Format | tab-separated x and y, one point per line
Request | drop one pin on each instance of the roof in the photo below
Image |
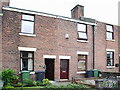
46	14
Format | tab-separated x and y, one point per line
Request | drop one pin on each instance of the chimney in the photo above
4	3
77	12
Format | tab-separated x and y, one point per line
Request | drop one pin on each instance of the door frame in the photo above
68	58
50	57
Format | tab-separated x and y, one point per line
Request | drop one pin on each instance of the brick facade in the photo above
50	40
101	44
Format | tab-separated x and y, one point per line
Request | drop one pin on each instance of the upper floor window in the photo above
82	32
27	24
110	32
27	59
110	58
82	59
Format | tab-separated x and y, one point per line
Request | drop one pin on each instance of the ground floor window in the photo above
27	59
110	58
82	59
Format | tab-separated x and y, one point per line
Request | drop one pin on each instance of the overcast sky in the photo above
101	10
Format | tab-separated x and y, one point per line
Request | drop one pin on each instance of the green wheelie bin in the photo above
25	75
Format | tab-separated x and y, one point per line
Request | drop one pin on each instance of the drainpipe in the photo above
93	31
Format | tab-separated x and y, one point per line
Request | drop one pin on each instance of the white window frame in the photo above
82	53
26	18
28	62
83	60
29	49
109	30
26	49
82	30
113	59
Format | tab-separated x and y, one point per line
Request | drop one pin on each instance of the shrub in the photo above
76	86
19	84
45	81
70	86
8	76
29	82
8	86
38	83
51	86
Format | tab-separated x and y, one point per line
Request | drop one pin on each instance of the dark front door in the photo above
49	72
64	68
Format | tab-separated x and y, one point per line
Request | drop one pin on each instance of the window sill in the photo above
81	72
30	72
113	40
110	67
82	41
1	14
26	34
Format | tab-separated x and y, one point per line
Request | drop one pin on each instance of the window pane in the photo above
30	64
30	55
81	65
82	62
27	27
110	58
82	27
111	55
26	60
81	57
111	62
82	35
108	55
108	62
24	64
109	36
109	28
24	54
28	17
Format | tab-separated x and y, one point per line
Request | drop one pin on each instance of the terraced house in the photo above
64	47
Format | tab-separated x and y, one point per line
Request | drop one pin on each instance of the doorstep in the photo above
58	83
64	80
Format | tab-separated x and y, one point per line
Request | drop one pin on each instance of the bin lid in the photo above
25	71
88	70
39	71
94	70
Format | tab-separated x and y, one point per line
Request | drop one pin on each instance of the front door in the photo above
64	68
49	72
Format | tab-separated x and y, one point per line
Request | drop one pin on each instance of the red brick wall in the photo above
50	40
101	44
10	40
